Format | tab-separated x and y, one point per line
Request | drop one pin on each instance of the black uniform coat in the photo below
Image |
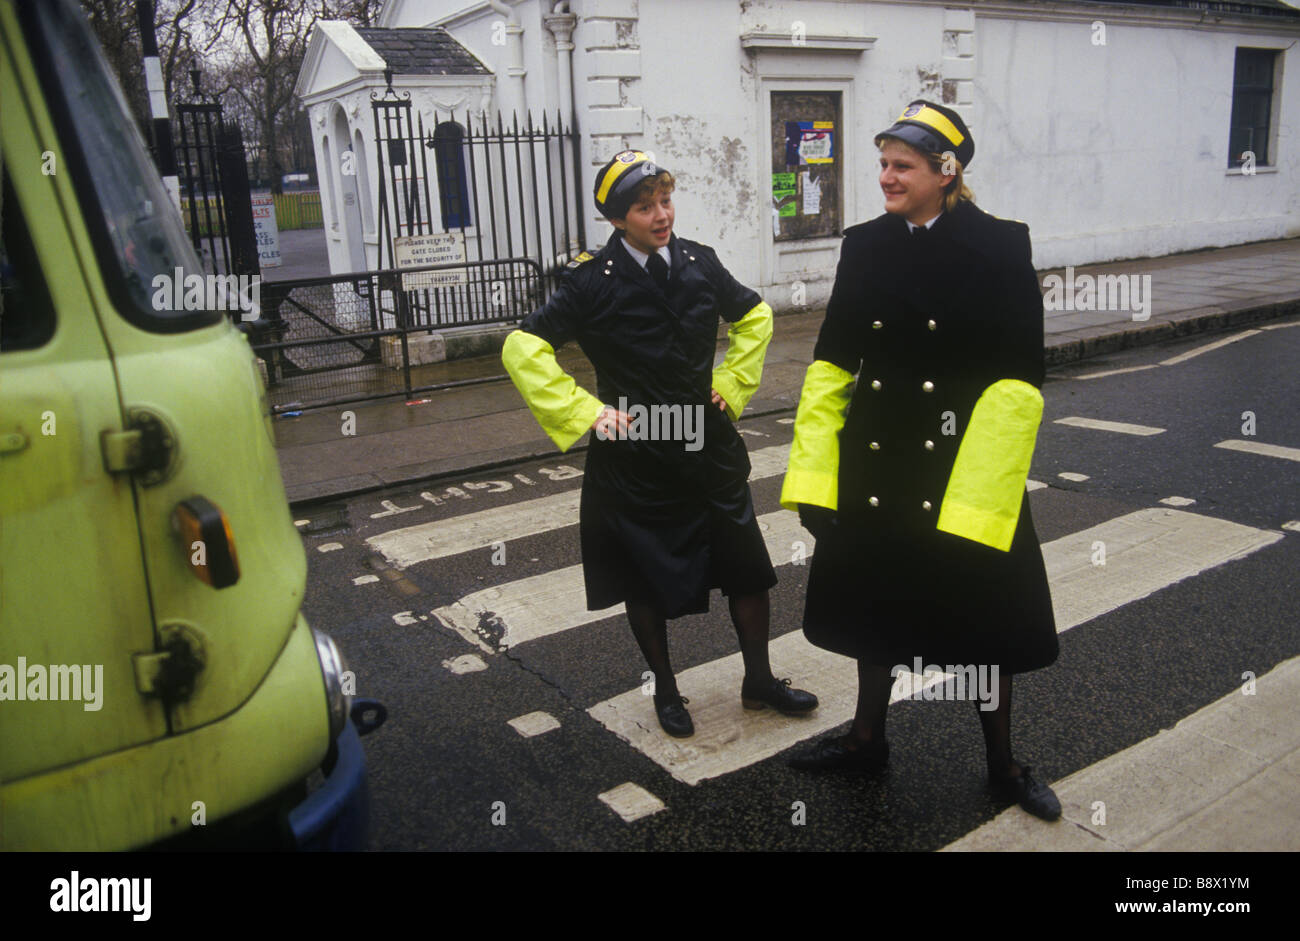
658	522
958	307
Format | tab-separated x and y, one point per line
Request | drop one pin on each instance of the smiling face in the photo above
913	188
649	221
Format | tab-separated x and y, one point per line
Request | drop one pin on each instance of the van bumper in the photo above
336	816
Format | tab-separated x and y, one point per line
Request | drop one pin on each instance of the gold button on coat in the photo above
875	384
929	445
925	504
928	386
873	501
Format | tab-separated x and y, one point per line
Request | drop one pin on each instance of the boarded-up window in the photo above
807	161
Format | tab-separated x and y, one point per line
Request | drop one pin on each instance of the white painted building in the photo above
1105	126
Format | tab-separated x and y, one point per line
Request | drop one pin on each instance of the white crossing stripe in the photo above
1070	475
534	723
1181	357
441	538
556	601
1146	551
1115	372
631	802
1121	427
1259	447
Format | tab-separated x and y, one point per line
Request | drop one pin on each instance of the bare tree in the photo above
272	35
114	24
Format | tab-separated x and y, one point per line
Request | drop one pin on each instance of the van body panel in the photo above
144	794
210	395
72	583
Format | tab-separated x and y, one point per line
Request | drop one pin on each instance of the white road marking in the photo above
1147	550
1292	525
441	538
405	618
1115	372
1280	326
329	546
534	723
1177	501
785	421
1032	485
465	663
1183	357
1119	426
1259	447
555	601
632	802
1070	475
301	522
365	579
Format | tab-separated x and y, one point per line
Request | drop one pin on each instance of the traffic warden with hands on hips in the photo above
663	520
912	482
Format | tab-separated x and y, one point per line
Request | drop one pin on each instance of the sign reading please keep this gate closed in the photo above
417	251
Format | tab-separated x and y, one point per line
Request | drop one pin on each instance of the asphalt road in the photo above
447	771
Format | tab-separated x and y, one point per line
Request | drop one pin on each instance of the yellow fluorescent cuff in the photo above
737	377
813	474
564	410
987	483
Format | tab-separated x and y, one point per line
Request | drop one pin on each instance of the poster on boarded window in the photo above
809	142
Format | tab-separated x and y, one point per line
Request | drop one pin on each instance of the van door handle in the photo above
12	441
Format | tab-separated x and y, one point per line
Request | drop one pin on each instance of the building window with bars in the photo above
1252	106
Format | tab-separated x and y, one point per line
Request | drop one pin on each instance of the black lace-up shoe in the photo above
1034	796
777	694
673	717
833	755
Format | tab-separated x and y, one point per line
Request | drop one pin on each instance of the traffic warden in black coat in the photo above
925	546
666	511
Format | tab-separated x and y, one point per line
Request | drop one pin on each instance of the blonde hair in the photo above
955	192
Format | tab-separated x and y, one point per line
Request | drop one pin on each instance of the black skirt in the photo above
667	531
883	595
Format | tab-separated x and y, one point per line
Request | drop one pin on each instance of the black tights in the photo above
874	686
749	614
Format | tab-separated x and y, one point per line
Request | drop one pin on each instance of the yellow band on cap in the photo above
937	121
612	176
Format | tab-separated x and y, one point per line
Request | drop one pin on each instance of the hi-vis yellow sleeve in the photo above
564	410
982	501
814	471
737	377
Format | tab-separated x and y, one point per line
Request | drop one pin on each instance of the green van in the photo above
158	683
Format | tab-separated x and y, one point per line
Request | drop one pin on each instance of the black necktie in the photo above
658	269
920	232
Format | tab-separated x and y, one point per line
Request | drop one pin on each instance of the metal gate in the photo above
215	197
497	191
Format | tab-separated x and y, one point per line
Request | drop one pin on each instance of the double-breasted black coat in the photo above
659	521
927	323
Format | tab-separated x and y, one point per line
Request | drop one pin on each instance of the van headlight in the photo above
338	681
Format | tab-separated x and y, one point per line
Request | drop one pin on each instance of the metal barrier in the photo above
349	338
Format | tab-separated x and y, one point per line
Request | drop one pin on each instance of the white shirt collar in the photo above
642	257
912	228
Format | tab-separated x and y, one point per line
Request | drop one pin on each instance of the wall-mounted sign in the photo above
267	232
416	251
809	142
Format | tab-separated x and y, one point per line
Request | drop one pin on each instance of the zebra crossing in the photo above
1093	571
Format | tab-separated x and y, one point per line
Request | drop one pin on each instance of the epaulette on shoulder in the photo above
578	260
